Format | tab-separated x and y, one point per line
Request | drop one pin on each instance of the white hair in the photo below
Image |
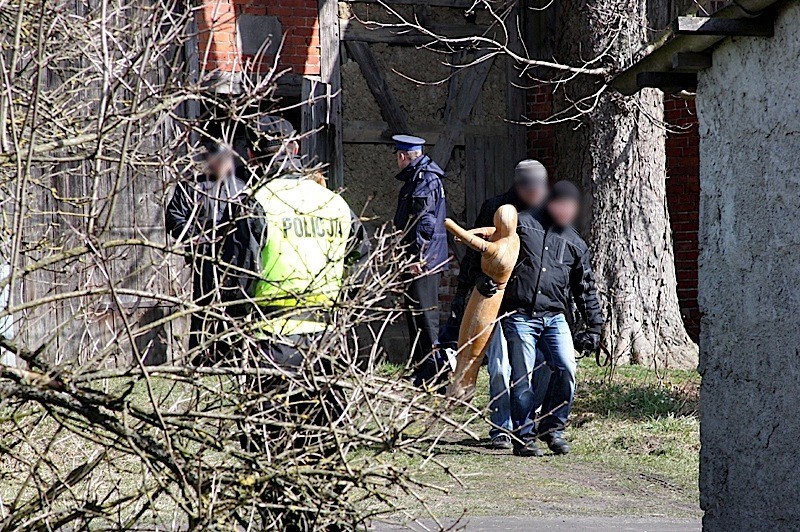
413	154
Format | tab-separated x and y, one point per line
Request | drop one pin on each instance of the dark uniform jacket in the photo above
223	229
471	263
421	211
553	263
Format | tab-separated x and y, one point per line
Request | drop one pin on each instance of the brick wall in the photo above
683	200
220	44
541	137
683	185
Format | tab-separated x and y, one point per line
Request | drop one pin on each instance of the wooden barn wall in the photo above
87	329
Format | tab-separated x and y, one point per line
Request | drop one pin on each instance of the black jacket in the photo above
223	229
553	263
471	263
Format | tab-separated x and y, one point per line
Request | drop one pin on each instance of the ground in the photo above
635	437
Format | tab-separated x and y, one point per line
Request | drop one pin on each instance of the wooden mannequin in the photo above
498	257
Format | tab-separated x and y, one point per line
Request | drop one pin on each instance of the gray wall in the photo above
749	110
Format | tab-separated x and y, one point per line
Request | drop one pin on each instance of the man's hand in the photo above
587	341
416	269
485	285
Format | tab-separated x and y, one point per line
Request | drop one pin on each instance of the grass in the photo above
635	439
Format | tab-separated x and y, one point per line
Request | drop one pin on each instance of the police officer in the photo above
311	234
420	215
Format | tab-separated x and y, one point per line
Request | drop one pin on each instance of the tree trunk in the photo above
615	152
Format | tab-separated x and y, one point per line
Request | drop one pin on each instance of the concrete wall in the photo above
749	110
370	168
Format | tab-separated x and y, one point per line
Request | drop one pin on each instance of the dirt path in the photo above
500	484
571	524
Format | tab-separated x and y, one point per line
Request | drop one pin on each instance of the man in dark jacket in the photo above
554	262
529	191
220	227
421	211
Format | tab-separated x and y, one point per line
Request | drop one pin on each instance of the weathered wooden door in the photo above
490	162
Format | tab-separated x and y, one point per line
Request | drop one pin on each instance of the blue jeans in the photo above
553	337
499	378
500	384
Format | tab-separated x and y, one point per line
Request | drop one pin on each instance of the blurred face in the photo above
564	212
531	195
221	165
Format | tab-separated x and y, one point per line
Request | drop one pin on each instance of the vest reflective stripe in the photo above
302	262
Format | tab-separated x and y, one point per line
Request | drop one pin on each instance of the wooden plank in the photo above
459	4
475	186
667	81
290	85
391	110
691	62
376	132
458	107
762	26
515	95
313	114
330	66
353	30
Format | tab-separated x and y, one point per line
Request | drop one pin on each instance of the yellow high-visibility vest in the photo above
302	262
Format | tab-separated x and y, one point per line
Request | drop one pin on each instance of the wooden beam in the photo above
667	81
331	74
465	87
313	115
290	85
762	26
353	30
373	72
691	62
460	4
376	132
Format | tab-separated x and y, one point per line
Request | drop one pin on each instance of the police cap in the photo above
408	143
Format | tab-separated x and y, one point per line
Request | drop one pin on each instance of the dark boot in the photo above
556	443
529	448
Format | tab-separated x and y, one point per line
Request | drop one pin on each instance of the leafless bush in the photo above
99	118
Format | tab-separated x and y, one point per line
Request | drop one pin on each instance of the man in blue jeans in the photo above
553	263
529	191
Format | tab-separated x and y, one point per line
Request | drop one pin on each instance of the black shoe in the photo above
502	442
529	449
557	444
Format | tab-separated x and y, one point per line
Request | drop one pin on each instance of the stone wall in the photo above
749	274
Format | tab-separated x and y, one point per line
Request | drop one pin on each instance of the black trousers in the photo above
290	400
422	316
